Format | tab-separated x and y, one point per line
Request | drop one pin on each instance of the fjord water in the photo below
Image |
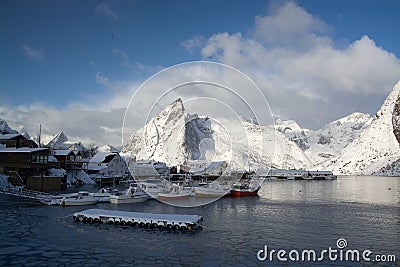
286	215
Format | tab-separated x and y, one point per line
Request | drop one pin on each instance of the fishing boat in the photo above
176	192
244	189
130	195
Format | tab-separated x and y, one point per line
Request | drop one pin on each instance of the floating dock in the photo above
139	219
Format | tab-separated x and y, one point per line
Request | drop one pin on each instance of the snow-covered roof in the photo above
103	157
22	149
77	145
8	136
62	152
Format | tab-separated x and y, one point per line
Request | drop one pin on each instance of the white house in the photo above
107	165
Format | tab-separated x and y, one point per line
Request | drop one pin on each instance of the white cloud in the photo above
194	43
33	53
105	10
303	74
291	26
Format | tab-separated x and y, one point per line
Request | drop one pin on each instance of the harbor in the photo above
287	215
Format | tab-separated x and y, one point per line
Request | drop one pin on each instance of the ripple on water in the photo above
13	250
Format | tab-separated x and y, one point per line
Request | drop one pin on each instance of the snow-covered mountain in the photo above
5	129
175	135
108	148
377	149
330	140
355	144
57	141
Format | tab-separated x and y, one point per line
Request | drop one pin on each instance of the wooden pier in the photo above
139	219
25	193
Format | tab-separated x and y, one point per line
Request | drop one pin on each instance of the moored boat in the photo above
176	192
131	195
211	190
81	199
241	190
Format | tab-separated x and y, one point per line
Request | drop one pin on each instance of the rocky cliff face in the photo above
396	119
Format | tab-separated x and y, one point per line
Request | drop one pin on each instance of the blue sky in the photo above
57	55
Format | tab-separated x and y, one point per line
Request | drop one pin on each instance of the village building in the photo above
69	159
106	167
16	140
30	167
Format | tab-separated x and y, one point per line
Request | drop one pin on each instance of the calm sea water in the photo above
288	215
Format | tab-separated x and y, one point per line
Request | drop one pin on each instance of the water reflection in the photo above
362	189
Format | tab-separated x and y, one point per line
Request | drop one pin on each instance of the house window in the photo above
39	159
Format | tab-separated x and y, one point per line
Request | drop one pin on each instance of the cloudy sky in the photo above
74	65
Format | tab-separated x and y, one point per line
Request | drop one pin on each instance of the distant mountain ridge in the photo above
355	144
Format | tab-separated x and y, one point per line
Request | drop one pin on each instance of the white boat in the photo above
176	192
101	197
80	200
212	190
130	195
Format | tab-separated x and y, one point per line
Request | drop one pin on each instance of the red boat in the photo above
244	189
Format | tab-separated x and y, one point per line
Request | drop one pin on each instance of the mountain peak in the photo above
172	112
58	140
177	105
5	129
